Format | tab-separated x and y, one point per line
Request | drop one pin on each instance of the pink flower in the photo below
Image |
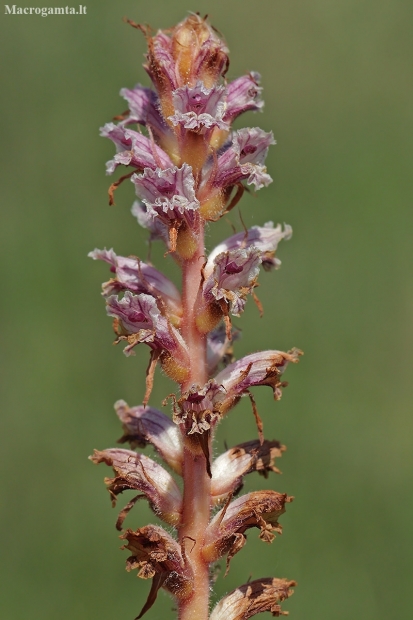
244	159
136	276
199	108
243	95
168	195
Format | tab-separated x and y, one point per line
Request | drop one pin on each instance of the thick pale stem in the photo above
197	487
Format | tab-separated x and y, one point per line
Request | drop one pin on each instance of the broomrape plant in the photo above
189	168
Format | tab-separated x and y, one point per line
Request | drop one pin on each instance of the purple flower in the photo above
243	95
200	408
231	276
244	159
143	109
264	238
140	320
136	276
134	149
168	194
262	368
199	108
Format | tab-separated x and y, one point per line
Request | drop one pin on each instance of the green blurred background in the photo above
338	89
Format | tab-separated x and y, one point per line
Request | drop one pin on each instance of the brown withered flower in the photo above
254	598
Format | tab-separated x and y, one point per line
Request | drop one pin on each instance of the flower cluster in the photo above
188	168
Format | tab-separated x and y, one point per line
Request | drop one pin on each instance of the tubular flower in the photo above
254	598
137	277
225	533
138	472
190	167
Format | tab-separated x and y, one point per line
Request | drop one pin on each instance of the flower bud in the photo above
253	598
198	52
138	472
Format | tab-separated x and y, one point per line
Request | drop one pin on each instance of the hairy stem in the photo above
197	487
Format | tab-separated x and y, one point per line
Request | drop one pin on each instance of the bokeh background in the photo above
338	91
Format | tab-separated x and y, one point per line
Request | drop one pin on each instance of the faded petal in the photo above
168	194
225	533
254	597
265	238
244	159
143	425
155	554
138	472
243	95
229	468
136	276
199	108
262	368
196	410
233	276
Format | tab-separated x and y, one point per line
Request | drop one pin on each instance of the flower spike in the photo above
190	166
